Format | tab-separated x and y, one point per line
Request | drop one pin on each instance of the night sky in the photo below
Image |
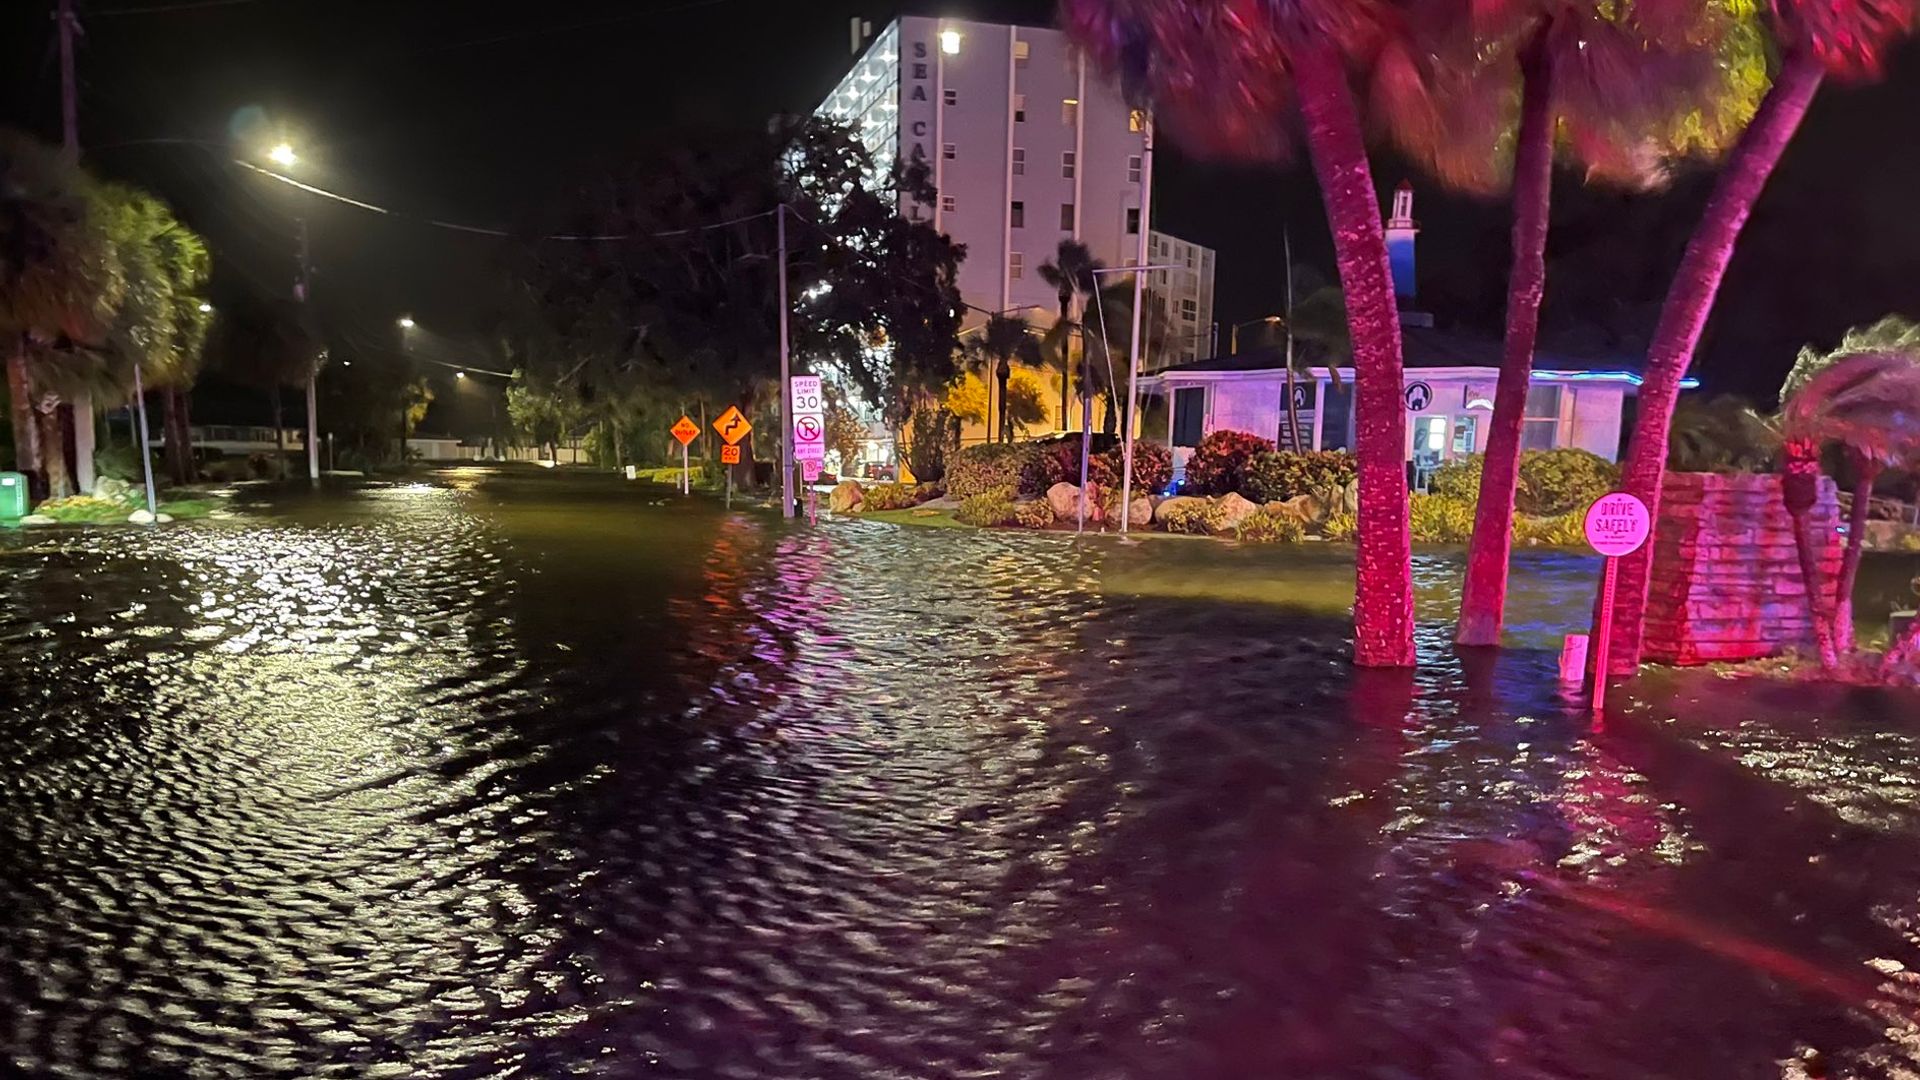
489	112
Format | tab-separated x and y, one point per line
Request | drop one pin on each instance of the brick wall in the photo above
1726	574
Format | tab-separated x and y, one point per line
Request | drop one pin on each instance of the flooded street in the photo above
524	775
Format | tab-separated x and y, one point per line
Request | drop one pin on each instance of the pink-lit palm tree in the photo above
1237	78
1815	38
1481	91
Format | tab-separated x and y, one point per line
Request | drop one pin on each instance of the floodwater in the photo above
525	775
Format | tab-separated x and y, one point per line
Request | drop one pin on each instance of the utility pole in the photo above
786	375
81	406
1139	309
301	293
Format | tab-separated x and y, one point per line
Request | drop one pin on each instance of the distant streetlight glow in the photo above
283	155
406	322
205	307
459	374
950	42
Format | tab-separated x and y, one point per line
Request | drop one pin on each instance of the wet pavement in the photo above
526	775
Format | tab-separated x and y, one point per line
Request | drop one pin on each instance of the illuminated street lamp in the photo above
406	322
205	307
283	156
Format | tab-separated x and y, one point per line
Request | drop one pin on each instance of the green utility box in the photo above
13	496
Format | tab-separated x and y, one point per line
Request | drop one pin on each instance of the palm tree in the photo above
160	325
265	342
1814	38
1892	336
991	353
1071	272
1229	79
1626	83
1865	401
59	285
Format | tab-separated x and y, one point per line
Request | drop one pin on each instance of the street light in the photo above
406	322
205	307
1233	338
283	155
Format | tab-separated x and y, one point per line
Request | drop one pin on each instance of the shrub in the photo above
1555	482
1437	519
1278	475
1152	467
1033	514
986	509
978	470
933	439
118	461
1219	464
1200	517
1458	479
1566	530
1266	527
929	491
889	497
1340	526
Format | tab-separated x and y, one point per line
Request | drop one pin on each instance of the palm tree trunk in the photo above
279	433
1383	572
1066	357
1865	471
1483	601
26	429
53	454
1684	316
180	464
1002	375
1800	490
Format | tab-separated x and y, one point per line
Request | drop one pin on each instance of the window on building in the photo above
1066	165
1542	428
1016	265
1066	216
1189	309
1019	214
947	151
947	202
1070	111
1020	52
1133	169
952	96
1133	221
1137	120
1019	108
1019	161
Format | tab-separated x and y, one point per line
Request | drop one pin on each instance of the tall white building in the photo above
1027	145
1185	296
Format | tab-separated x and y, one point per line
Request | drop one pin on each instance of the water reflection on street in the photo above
530	775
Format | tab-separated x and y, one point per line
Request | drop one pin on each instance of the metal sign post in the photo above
1617	525
807	431
686	431
732	426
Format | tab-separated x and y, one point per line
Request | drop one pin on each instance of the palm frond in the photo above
1867	401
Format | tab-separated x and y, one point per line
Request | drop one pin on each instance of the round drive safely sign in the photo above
1618	524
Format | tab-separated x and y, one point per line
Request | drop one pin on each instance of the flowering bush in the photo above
1199	516
1458	479
1279	475
889	497
1219	464
987	509
1437	519
1340	526
978	470
1152	467
1033	514
1555	482
1266	527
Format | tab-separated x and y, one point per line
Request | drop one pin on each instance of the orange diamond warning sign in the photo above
686	430
732	426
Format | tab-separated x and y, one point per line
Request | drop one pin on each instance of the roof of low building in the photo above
1428	347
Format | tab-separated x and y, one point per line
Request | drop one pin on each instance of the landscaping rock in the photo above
1350	497
845	497
1173	505
944	502
1304	509
1233	510
1064	498
141	517
39	519
1140	513
112	488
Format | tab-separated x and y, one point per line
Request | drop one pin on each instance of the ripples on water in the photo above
539	778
